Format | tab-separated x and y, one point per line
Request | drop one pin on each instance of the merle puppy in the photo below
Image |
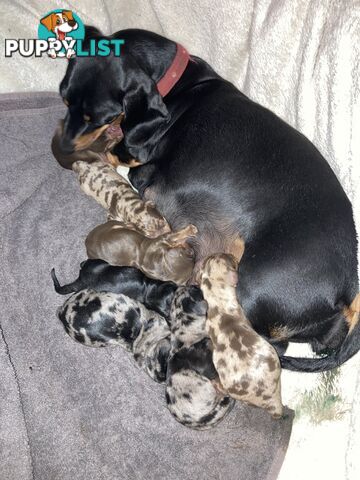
103	319
211	157
102	277
192	395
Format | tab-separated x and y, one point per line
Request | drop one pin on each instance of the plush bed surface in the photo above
69	411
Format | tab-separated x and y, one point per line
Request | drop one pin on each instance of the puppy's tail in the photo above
350	346
65	289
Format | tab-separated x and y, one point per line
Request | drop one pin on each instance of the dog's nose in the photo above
71	23
66	145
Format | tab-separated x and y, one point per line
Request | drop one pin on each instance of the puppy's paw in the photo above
51	52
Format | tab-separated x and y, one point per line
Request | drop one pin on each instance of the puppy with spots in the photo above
166	258
248	366
101	319
114	193
191	394
102	277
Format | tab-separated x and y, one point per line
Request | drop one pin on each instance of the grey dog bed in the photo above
69	412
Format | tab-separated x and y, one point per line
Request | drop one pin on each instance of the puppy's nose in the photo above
71	23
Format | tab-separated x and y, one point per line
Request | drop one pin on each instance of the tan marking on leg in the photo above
352	313
280	332
237	248
112	159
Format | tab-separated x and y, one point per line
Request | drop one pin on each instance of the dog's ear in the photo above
49	21
90	32
142	103
68	14
195	293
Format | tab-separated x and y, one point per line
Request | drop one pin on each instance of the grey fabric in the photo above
68	411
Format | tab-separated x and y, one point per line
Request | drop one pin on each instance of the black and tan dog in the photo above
211	157
102	277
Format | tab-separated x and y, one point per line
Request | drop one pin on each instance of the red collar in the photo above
174	72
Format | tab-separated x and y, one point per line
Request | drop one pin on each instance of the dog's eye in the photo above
66	102
58	21
86	118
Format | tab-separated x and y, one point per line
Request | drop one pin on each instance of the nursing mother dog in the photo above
207	155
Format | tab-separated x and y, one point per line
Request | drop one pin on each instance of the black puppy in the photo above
211	157
102	277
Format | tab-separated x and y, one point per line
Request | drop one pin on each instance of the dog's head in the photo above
218	271
98	89
187	314
60	23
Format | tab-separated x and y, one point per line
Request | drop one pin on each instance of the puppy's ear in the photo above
195	293
200	308
49	21
68	14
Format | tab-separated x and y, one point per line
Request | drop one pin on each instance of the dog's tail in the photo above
350	346
65	289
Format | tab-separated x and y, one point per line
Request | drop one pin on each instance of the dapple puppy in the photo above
166	257
114	193
248	366
102	277
109	319
191	395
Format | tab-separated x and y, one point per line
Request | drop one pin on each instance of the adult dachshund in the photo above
207	155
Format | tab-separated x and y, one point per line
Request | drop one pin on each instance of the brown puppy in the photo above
166	257
97	146
248	366
115	194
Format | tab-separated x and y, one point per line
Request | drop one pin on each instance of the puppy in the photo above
114	193
108	319
102	277
61	23
166	258
96	147
191	394
248	366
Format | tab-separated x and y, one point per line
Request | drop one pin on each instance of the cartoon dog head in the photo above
60	23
